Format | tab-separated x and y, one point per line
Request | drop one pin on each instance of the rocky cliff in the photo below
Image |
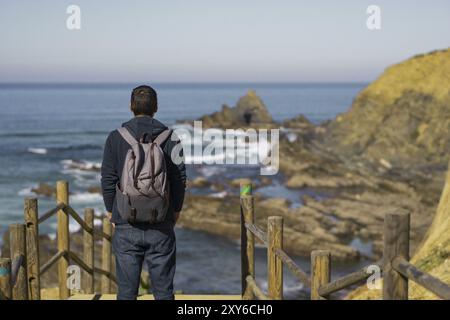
402	118
433	255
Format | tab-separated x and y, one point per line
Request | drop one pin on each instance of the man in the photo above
136	243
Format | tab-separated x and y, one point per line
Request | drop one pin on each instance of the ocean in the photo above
50	132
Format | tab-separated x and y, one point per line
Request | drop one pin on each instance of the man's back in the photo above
114	156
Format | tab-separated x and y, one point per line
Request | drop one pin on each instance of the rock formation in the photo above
402	118
433	255
250	110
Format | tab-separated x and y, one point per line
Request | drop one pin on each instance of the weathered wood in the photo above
106	256
438	287
102	234
44	268
274	263
18	254
69	210
62	196
320	272
293	267
247	239
346	281
257	232
5	279
50	213
257	292
107	274
80	262
32	248
396	244
88	251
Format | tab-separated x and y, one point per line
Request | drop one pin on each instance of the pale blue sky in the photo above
221	41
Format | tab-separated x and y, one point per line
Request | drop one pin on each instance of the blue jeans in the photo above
156	246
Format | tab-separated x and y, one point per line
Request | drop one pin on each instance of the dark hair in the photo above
144	101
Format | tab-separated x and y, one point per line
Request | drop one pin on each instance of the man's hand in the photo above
176	216
109	216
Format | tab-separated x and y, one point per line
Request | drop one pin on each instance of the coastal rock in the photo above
305	228
402	119
250	110
433	256
199	182
44	189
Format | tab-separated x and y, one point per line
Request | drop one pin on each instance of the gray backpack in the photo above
143	193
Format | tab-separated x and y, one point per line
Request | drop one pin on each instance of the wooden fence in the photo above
395	265
20	274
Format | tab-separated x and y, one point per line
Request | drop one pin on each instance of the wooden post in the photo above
247	239
18	255
62	196
106	256
320	272
396	244
32	248
5	279
88	251
274	263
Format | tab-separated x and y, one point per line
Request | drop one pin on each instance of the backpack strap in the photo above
127	136
163	137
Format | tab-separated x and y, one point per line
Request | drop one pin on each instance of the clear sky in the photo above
220	41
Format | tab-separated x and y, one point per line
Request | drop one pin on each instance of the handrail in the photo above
255	289
346	281
102	234
51	212
88	269
261	235
105	273
290	264
408	270
69	210
80	262
293	267
51	262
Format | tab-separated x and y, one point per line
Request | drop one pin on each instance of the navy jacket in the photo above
114	158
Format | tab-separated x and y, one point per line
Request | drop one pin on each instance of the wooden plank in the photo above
396	244
44	268
320	272
293	267
62	196
438	287
345	281
77	218
257	232
106	256
80	262
5	279
88	251
247	238
51	212
18	253
274	263
32	248
257	292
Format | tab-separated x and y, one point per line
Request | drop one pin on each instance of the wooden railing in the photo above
22	272
396	268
